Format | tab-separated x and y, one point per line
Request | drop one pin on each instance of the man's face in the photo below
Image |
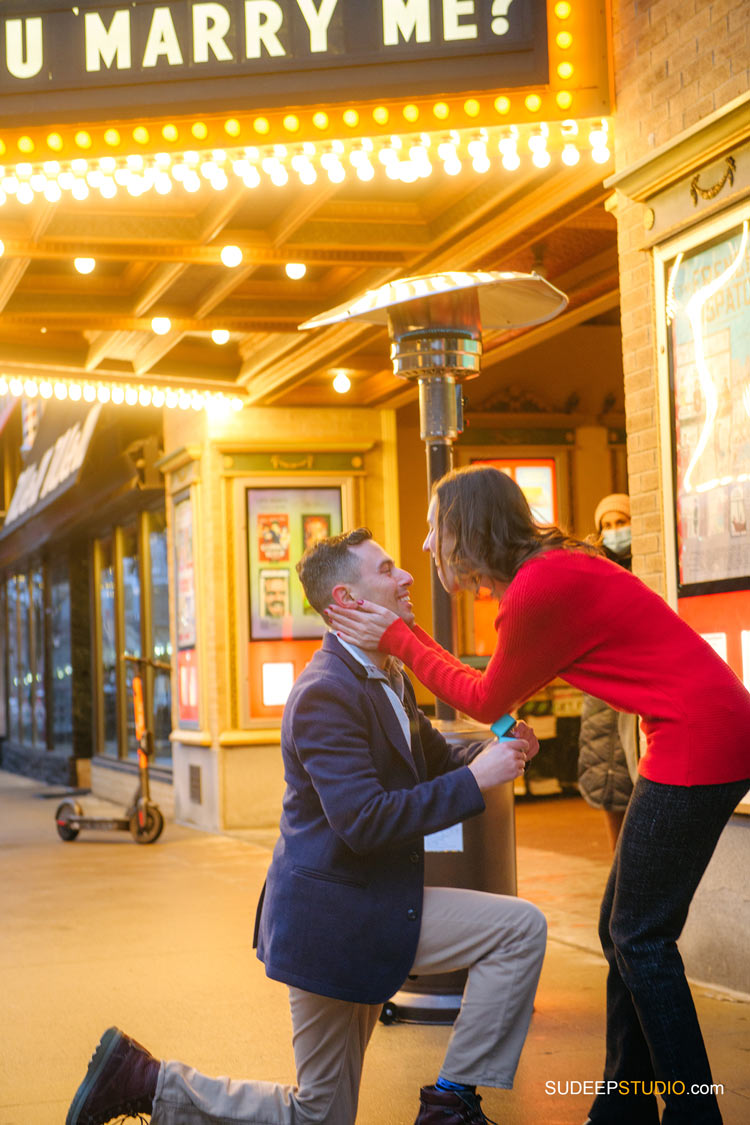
381	581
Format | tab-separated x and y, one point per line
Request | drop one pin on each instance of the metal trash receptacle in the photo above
478	854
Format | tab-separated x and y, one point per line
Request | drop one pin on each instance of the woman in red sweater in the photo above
566	611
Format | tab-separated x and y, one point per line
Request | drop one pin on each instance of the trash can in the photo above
478	854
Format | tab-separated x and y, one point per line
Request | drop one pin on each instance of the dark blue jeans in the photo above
653	1036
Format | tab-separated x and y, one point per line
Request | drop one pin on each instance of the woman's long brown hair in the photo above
486	527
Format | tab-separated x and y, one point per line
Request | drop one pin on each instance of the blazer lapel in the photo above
412	710
388	721
381	703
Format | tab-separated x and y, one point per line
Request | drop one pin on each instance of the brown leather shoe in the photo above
120	1082
449	1107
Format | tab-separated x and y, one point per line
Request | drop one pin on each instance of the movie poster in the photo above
282	523
708	316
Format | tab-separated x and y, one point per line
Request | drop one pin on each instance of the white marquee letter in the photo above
211	23
18	65
103	45
317	21
405	16
162	40
452	29
263	18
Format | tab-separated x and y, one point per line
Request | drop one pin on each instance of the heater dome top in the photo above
505	299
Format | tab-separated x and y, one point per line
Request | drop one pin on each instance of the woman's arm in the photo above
537	639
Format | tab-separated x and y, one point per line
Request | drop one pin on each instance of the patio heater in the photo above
435	324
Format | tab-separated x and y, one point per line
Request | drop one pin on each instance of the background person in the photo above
607	754
566	611
345	915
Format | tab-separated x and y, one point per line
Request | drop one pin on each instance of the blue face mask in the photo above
618	539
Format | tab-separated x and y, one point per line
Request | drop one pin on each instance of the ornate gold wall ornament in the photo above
710	193
305	463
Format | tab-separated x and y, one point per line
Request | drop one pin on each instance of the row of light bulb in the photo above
120	395
406	159
231	256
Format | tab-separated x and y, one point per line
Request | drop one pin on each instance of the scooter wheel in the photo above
152	827
65	812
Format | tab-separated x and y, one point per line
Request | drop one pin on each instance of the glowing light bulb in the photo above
89	392
231	256
220	335
161	325
295	270
85	265
342	383
131	396
118	395
570	155
61	391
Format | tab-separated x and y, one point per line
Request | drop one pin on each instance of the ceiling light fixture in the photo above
161	325
231	256
85	265
295	270
220	335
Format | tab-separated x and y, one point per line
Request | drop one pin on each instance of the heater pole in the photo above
439	462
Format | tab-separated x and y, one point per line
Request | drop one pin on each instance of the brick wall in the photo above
675	63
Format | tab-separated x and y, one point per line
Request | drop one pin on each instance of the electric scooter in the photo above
143	819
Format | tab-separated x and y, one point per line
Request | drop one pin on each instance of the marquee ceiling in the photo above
158	256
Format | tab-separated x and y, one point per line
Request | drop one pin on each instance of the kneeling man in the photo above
345	915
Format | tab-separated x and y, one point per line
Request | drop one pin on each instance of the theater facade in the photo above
183	184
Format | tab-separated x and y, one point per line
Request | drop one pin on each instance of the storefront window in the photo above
134	622
14	726
25	673
38	658
108	620
161	647
131	597
61	670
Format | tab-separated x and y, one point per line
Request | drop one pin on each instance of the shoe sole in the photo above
107	1044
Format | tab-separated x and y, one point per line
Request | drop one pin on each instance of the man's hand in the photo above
505	760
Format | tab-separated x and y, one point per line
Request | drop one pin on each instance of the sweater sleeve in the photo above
537	639
426	639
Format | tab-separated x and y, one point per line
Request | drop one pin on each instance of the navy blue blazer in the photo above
343	898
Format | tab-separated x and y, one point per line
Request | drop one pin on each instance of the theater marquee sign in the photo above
146	54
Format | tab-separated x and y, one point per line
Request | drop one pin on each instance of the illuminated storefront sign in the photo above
56	468
273	51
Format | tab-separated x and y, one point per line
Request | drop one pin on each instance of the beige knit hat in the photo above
616	502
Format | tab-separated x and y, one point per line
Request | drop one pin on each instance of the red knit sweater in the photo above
589	621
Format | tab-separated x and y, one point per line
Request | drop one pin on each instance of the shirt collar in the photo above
364	658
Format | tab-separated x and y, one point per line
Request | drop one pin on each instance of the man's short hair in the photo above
329	562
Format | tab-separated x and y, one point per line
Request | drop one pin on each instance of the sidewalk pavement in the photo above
157	939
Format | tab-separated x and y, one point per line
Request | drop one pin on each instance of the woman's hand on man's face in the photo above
362	626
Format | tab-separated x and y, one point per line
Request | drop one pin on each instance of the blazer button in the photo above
414	857
411	914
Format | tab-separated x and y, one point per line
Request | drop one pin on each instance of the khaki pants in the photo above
499	939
